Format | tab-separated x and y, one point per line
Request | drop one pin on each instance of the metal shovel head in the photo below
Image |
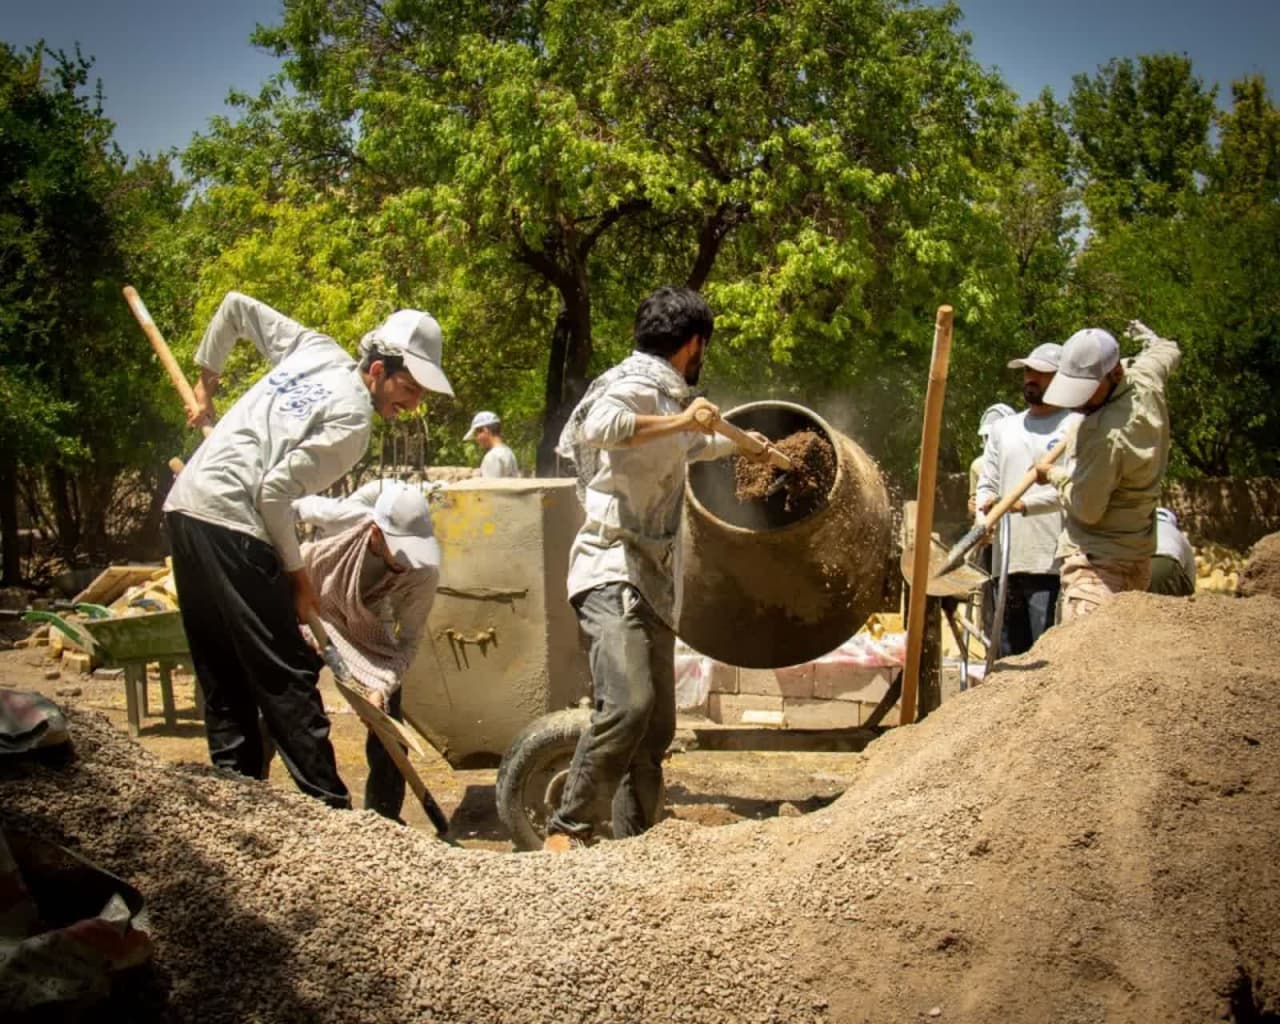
958	583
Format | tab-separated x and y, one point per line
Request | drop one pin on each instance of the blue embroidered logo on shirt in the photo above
299	396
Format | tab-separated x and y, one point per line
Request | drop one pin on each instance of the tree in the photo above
815	166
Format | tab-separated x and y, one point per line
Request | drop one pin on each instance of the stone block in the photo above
794	681
821	714
745	709
833	681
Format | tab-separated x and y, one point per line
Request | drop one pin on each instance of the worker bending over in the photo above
486	431
1173	566
242	585
375	564
1118	461
630	438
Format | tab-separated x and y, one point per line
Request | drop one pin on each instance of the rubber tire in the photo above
544	747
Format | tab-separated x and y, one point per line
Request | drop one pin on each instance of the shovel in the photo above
970	540
390	732
754	447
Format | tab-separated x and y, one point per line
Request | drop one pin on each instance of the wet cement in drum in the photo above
808	482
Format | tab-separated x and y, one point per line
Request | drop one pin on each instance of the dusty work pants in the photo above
1029	609
1169	577
384	788
633	676
250	658
1088	582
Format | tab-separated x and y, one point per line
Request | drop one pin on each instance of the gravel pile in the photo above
1089	836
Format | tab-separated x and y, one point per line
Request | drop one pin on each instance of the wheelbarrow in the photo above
131	642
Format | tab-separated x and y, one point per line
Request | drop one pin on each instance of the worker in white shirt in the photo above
242	584
991	415
1173	566
486	431
1015	444
375	563
630	439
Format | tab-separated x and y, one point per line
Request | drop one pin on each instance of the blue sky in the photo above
167	65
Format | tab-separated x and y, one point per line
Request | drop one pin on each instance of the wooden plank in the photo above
114	581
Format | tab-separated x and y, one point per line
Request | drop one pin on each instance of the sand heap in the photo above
1261	573
1089	836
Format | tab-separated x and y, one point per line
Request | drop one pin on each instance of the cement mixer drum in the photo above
766	585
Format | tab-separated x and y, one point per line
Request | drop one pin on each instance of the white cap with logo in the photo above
481	419
402	515
416	338
1087	357
1044	358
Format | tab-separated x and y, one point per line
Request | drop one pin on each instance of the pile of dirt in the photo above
1261	573
1089	836
806	485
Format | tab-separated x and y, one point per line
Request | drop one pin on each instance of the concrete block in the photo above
850	682
749	709
795	681
821	714
724	678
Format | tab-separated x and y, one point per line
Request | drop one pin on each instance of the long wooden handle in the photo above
149	328
925	491
744	441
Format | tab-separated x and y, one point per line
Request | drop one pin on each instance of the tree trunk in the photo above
10	562
64	515
567	365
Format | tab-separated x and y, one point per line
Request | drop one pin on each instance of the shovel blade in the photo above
961	548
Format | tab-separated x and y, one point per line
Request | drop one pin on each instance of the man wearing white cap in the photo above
242	585
1118	461
1173	566
1017	443
376	565
486	431
991	415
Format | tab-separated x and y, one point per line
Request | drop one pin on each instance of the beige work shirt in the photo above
1118	458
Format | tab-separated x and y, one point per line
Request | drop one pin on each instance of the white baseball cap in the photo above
1087	357
416	338
481	419
992	415
402	515
1044	358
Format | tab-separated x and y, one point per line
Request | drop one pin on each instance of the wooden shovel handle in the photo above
149	328
744	441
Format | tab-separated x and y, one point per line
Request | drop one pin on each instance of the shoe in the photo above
561	842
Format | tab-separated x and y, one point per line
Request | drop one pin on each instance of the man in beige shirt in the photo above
1118	459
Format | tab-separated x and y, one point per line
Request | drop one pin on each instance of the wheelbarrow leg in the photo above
143	701
166	694
131	673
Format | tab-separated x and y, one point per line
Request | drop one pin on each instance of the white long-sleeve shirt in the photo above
634	503
499	461
1173	543
295	432
1014	445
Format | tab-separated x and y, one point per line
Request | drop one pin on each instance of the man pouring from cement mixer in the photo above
242	585
1118	457
630	438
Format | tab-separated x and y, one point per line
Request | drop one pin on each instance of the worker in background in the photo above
992	415
375	564
1118	459
242	584
486	431
1014	445
1173	566
630	438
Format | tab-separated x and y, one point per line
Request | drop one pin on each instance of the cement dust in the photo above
1089	836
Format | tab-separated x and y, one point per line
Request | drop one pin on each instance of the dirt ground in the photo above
707	787
1088	837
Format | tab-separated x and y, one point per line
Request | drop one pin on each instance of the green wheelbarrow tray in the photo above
131	642
151	637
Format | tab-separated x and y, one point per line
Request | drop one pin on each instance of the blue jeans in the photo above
634	718
1028	610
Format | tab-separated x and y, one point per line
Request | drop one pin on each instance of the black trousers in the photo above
250	658
384	789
